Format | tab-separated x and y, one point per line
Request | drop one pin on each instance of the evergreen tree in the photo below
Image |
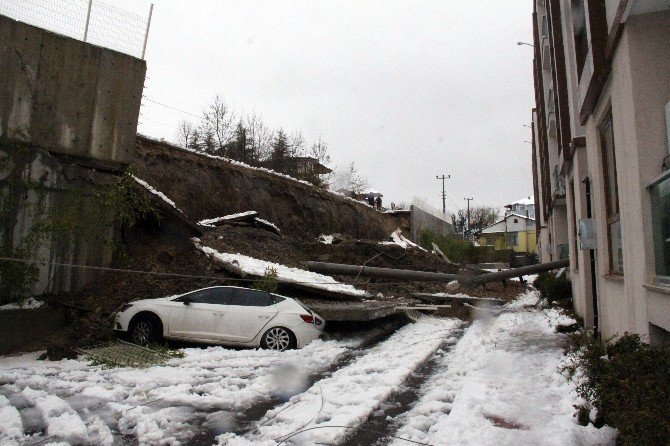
194	142
280	148
241	149
208	143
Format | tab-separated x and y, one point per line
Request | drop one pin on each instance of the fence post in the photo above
88	19
146	34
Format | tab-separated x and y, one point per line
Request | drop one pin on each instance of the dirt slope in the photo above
204	187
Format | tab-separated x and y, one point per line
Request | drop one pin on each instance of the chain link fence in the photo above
92	21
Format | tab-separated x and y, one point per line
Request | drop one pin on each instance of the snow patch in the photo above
285	274
402	241
157	193
326	239
27	304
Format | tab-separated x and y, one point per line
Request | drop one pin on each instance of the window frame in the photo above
612	210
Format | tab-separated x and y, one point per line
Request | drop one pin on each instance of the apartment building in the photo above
601	131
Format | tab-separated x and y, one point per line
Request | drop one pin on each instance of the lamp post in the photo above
524	43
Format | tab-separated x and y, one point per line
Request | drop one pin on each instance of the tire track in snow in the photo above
381	425
351	394
246	421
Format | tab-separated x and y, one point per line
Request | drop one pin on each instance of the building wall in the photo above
638	89
66	95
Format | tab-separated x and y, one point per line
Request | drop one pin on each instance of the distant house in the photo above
514	231
525	206
303	167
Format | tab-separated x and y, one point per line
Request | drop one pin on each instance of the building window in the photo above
573	217
512	239
611	196
660	205
580	34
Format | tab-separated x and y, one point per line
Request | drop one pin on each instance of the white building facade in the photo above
605	67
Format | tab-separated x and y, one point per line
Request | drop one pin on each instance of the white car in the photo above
222	315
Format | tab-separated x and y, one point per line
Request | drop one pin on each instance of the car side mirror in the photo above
186	301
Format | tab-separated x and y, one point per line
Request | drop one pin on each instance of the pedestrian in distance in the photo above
378	203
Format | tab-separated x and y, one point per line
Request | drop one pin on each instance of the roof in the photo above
525	201
504	218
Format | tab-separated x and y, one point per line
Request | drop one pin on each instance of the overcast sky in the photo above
405	89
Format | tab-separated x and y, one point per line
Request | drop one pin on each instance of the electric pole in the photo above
444	194
468	214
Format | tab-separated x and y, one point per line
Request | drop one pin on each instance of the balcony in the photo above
551	124
546	54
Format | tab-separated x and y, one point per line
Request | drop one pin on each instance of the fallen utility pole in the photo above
380	273
425	276
518	272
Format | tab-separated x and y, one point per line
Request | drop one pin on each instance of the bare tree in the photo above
296	144
219	121
259	137
319	151
185	131
356	183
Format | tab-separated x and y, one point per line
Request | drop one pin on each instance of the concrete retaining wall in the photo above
27	330
422	220
42	195
66	95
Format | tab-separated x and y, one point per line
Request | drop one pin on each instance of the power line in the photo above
177	275
171	107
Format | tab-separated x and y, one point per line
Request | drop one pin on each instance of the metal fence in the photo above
92	21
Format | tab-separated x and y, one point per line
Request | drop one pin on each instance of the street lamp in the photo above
524	43
526	125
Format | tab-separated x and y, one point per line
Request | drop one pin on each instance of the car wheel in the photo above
144	331
278	338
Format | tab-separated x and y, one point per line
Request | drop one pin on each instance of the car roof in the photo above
230	286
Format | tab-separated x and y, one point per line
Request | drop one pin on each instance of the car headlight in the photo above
125	307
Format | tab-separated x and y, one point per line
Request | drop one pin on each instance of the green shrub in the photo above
269	281
552	287
456	249
628	382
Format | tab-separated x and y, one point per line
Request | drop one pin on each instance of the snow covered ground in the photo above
494	381
501	385
75	402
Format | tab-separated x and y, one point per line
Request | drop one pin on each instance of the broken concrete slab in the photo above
352	311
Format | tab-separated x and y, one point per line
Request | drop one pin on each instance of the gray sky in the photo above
406	89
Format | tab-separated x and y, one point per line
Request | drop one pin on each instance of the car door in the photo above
247	314
195	317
